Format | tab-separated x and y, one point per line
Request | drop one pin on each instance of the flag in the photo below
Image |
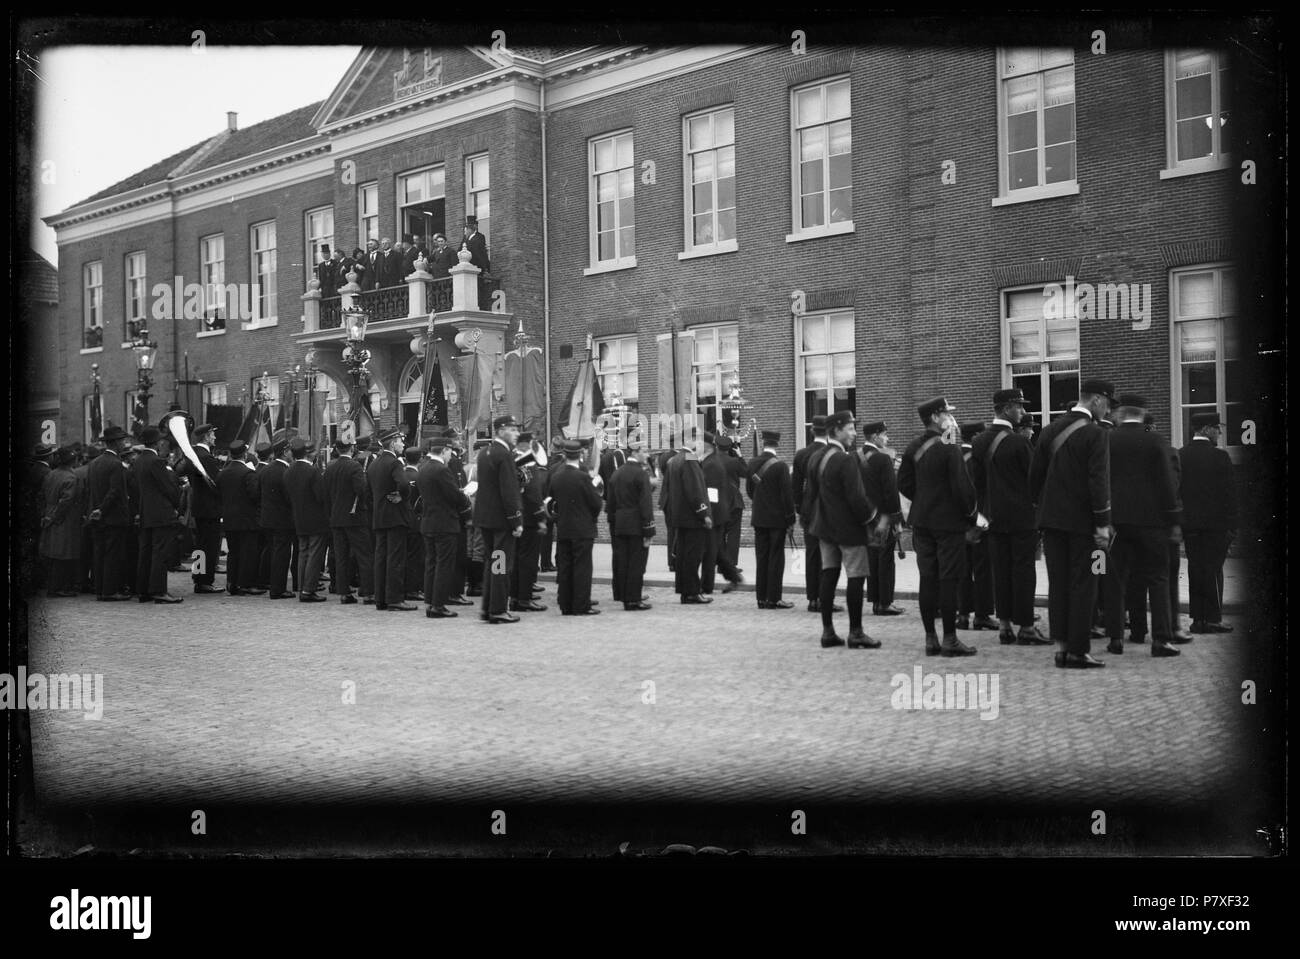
476	391
256	427
312	425
435	395
96	415
288	416
584	404
526	388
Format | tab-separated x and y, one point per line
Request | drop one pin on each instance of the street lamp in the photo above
146	352
733	407
356	356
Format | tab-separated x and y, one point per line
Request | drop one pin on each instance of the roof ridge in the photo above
189	163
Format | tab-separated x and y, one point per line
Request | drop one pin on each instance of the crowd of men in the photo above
1099	491
384	264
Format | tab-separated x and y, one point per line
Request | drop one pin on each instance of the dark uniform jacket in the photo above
688	502
737	473
1142	486
631	511
345	488
843	512
940	487
665	499
715	478
311	516
577	504
1209	500
387	474
771	496
237	484
1072	486
1003	482
497	504
880	482
160	491
532	496
610	460
799	476
274	511
106	482
444	507
205	500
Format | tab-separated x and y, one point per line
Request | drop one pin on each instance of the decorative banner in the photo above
476	390
96	415
526	388
584	404
312	423
435	394
256	428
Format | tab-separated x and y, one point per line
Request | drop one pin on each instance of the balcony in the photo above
394	302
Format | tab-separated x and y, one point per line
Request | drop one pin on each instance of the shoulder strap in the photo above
924	448
821	463
1066	433
993	447
758	476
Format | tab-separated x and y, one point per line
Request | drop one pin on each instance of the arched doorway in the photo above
410	392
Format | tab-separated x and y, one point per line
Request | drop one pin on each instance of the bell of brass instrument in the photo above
177	424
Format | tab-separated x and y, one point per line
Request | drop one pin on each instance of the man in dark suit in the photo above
632	526
1210	521
476	243
389	265
411	253
1069	479
803	463
933	476
1145	511
772	513
1000	458
665	502
160	501
1135	600
976	593
498	513
413	580
238	488
881	486
737	473
532	495
205	506
688	510
577	504
717	487
327	272
386	476
263	454
443	256
348	497
445	510
369	278
311	518
110	515
275	516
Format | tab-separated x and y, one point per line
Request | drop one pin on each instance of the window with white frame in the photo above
262	268
212	266
477	191
715	366
318	232
137	303
92	305
710	179
214	394
367	213
611	201
1196	99
1036	132
1208	349
1040	350
422	203
616	367
822	142
825	374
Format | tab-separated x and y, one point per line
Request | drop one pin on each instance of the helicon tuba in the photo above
177	424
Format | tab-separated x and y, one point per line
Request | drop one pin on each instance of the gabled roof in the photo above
40	278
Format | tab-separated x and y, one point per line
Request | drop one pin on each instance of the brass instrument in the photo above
177	424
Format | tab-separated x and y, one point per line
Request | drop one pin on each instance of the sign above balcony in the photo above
421	72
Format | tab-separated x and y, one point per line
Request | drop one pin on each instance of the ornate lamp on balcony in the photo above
146	351
733	408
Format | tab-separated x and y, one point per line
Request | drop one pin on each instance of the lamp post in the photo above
146	352
355	357
733	408
310	360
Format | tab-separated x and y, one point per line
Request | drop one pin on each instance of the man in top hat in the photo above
1209	521
934	478
445	509
630	509
498	513
476	243
531	494
577	503
881	486
275	516
110	516
205	506
348	497
718	489
311	520
160	501
239	490
976	593
772	514
1069	479
327	273
688	509
389	486
1000	458
804	460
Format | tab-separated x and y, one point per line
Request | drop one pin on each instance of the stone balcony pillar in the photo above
311	307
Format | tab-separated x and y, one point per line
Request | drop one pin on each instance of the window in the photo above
134	413
214	394
610	202
367	213
715	366
1196	103
710	181
262	269
136	296
825	375
1036	132
212	264
319	232
92	306
477	193
422	203
822	177
271	385
93	417
1208	350
1040	351
617	369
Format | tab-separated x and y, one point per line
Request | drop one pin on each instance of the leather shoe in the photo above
538	588
167	599
115	598
860	640
1082	661
589	611
952	646
631	607
502	618
1061	660
780	604
205	588
830	639
399	607
311	598
1199	627
696	600
279	595
1180	637
963	621
814	606
459	601
439	612
1031	636
932	645
532	607
886	611
1116	648
367	600
1007	637
145	599
1164	649
1218	627
252	591
764	605
986	622
348	600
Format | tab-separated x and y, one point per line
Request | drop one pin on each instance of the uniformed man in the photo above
630	509
737	472
881	486
386	477
238	488
1135	600
933	476
275	516
1069	479
547	542
263	454
351	520
205	505
843	522
688	510
1000	458
976	593
445	510
1210	521
160	500
110	516
1098	630
311	518
576	503
798	485
717	487
531	497
413	576
665	502
498	514
772	515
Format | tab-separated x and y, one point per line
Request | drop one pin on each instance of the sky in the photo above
104	113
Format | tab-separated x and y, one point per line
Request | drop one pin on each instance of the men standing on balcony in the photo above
411	253
369	278
386	476
443	256
881	487
498	514
1210	510
327	272
476	243
771	514
388	270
